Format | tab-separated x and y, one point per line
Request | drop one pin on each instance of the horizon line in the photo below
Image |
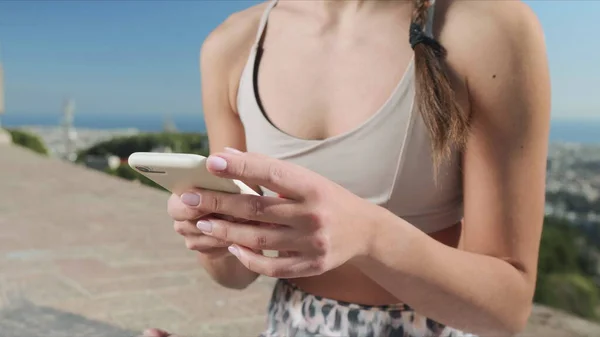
156	114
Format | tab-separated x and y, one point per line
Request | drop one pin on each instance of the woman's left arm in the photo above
486	287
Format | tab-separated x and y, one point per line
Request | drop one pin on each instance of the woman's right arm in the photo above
222	60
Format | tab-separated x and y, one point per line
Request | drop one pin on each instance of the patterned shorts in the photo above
295	313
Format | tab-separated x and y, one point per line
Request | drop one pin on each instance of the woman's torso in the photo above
322	96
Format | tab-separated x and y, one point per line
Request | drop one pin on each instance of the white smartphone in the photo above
179	172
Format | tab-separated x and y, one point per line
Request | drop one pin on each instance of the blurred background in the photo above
85	246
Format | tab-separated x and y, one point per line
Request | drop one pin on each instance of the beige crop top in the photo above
385	160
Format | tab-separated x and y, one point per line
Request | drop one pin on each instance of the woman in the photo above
403	181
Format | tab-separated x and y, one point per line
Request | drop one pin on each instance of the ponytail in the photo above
447	123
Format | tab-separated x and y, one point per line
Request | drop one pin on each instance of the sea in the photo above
585	131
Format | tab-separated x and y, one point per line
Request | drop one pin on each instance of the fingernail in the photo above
232	150
234	250
216	163
205	226
190	199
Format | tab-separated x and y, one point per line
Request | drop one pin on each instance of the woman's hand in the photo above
185	220
317	224
186	224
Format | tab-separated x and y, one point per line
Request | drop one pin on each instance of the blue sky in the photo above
141	57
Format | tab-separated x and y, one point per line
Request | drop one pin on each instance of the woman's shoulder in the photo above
225	52
230	42
498	49
477	33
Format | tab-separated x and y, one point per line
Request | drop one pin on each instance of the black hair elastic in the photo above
418	36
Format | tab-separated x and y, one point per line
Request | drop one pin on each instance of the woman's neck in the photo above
344	18
340	8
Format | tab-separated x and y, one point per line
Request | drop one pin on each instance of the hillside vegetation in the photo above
568	270
28	140
123	147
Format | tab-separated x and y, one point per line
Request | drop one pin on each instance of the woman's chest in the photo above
312	94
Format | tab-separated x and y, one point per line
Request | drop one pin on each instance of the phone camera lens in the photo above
143	168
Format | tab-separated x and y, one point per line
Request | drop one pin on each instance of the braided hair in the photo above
447	123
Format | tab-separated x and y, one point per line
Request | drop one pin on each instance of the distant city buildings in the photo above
54	137
573	182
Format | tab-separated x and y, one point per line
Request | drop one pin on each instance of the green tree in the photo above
123	147
126	172
558	250
567	269
571	292
28	140
573	202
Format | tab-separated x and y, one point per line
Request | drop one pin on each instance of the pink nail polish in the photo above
191	199
205	226
234	250
216	163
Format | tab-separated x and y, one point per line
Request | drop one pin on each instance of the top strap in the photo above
430	16
263	22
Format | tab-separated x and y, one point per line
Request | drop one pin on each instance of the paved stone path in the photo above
77	241
83	254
